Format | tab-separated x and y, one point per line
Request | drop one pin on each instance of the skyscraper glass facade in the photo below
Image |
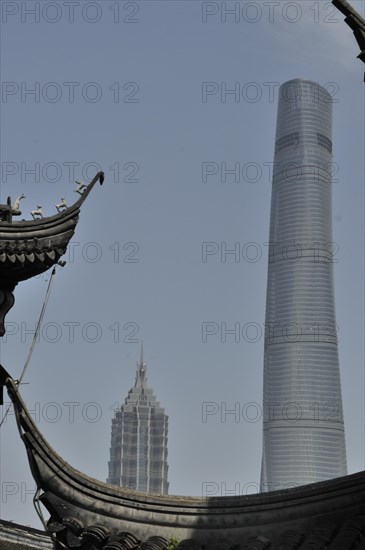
138	452
303	428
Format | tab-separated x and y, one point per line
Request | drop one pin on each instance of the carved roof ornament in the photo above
15	208
356	22
30	247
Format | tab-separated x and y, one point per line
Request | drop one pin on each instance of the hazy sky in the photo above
141	89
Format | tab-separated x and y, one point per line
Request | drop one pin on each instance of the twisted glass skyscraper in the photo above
303	429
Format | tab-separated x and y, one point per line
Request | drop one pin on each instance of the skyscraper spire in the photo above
141	360
141	375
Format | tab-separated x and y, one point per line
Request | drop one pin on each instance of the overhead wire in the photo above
35	338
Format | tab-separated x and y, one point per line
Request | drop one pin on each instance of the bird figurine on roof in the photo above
15	207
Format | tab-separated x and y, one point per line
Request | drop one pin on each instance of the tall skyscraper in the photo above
303	428
138	452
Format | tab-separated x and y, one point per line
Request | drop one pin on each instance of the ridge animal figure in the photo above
61	205
37	214
15	207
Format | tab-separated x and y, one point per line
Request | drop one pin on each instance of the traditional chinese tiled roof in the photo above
91	515
325	535
20	537
30	247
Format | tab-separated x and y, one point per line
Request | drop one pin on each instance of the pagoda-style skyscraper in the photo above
303	430
138	452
